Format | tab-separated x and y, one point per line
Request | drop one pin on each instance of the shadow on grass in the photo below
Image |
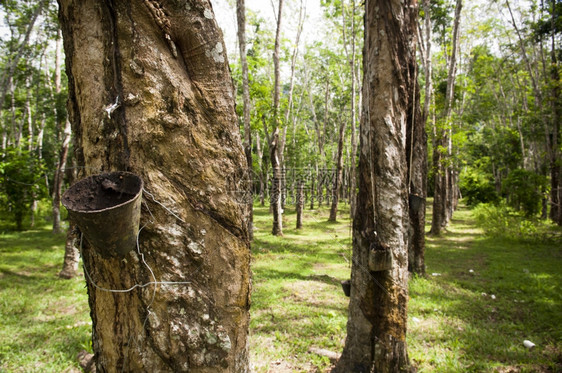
486	296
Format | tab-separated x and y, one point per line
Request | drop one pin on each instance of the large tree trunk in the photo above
150	92
376	329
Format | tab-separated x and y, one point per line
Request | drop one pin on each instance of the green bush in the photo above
477	187
502	220
21	182
525	190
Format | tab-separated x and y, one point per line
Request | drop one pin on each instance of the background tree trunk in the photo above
274	151
241	18
416	153
554	135
300	203
150	92
376	328
71	254
338	174
443	202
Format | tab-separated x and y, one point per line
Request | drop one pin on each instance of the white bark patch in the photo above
224	340
208	14
403	129
175	235
390	125
196	247
216	53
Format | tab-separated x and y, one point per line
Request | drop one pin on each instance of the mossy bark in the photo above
150	93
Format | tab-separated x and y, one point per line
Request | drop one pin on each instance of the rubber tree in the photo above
274	143
376	327
150	92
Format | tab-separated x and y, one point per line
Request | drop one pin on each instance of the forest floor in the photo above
481	298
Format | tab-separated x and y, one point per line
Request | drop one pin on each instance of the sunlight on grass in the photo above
44	320
481	298
297	300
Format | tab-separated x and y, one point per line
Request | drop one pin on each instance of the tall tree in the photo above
376	328
67	132
161	105
444	175
417	153
274	146
241	19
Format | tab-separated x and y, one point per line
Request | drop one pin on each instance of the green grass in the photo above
460	327
44	320
297	301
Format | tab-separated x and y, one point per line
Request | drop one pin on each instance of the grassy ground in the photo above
481	298
44	320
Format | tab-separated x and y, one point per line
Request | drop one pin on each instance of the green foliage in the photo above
477	187
525	190
21	182
500	220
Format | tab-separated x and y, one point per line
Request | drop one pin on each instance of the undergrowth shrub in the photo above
477	187
502	220
525	190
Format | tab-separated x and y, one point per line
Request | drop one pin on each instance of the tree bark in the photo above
416	153
71	254
554	136
354	84
277	210
300	203
150	92
443	188
58	178
274	152
376	328
241	18
338	176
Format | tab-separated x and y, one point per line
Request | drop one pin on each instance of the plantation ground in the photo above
481	298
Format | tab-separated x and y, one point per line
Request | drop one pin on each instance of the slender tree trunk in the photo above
58	179
338	176
261	166
300	203
443	188
161	105
376	328
10	69
416	153
71	254
276	186
351	57
276	198
241	18
554	136
354	84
